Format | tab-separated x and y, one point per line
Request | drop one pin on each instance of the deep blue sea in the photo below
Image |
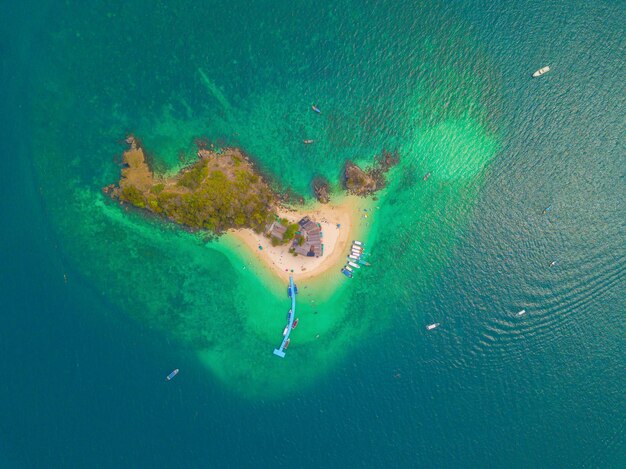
99	304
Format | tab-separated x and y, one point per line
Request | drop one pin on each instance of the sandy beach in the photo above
339	222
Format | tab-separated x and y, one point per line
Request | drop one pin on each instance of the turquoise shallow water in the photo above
447	86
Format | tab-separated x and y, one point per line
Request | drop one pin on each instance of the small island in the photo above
224	192
221	191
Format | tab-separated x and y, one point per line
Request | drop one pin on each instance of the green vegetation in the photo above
215	194
193	177
157	188
291	232
133	196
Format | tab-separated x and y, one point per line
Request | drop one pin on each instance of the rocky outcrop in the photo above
321	189
357	181
365	182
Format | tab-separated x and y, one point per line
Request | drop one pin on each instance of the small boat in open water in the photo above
541	71
522	312
172	374
316	109
430	327
426	176
308	142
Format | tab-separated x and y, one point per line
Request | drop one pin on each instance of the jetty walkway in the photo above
280	351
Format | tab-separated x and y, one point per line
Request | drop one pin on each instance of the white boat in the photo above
348	268
541	71
355	253
356	249
358	243
432	326
285	330
352	256
522	312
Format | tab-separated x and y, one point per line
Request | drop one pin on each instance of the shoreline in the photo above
347	213
340	222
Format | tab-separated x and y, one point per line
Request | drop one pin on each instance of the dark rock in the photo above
357	181
321	189
365	182
111	190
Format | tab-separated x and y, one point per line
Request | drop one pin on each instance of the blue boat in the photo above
316	109
172	374
347	273
295	289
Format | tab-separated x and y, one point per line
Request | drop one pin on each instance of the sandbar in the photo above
341	223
